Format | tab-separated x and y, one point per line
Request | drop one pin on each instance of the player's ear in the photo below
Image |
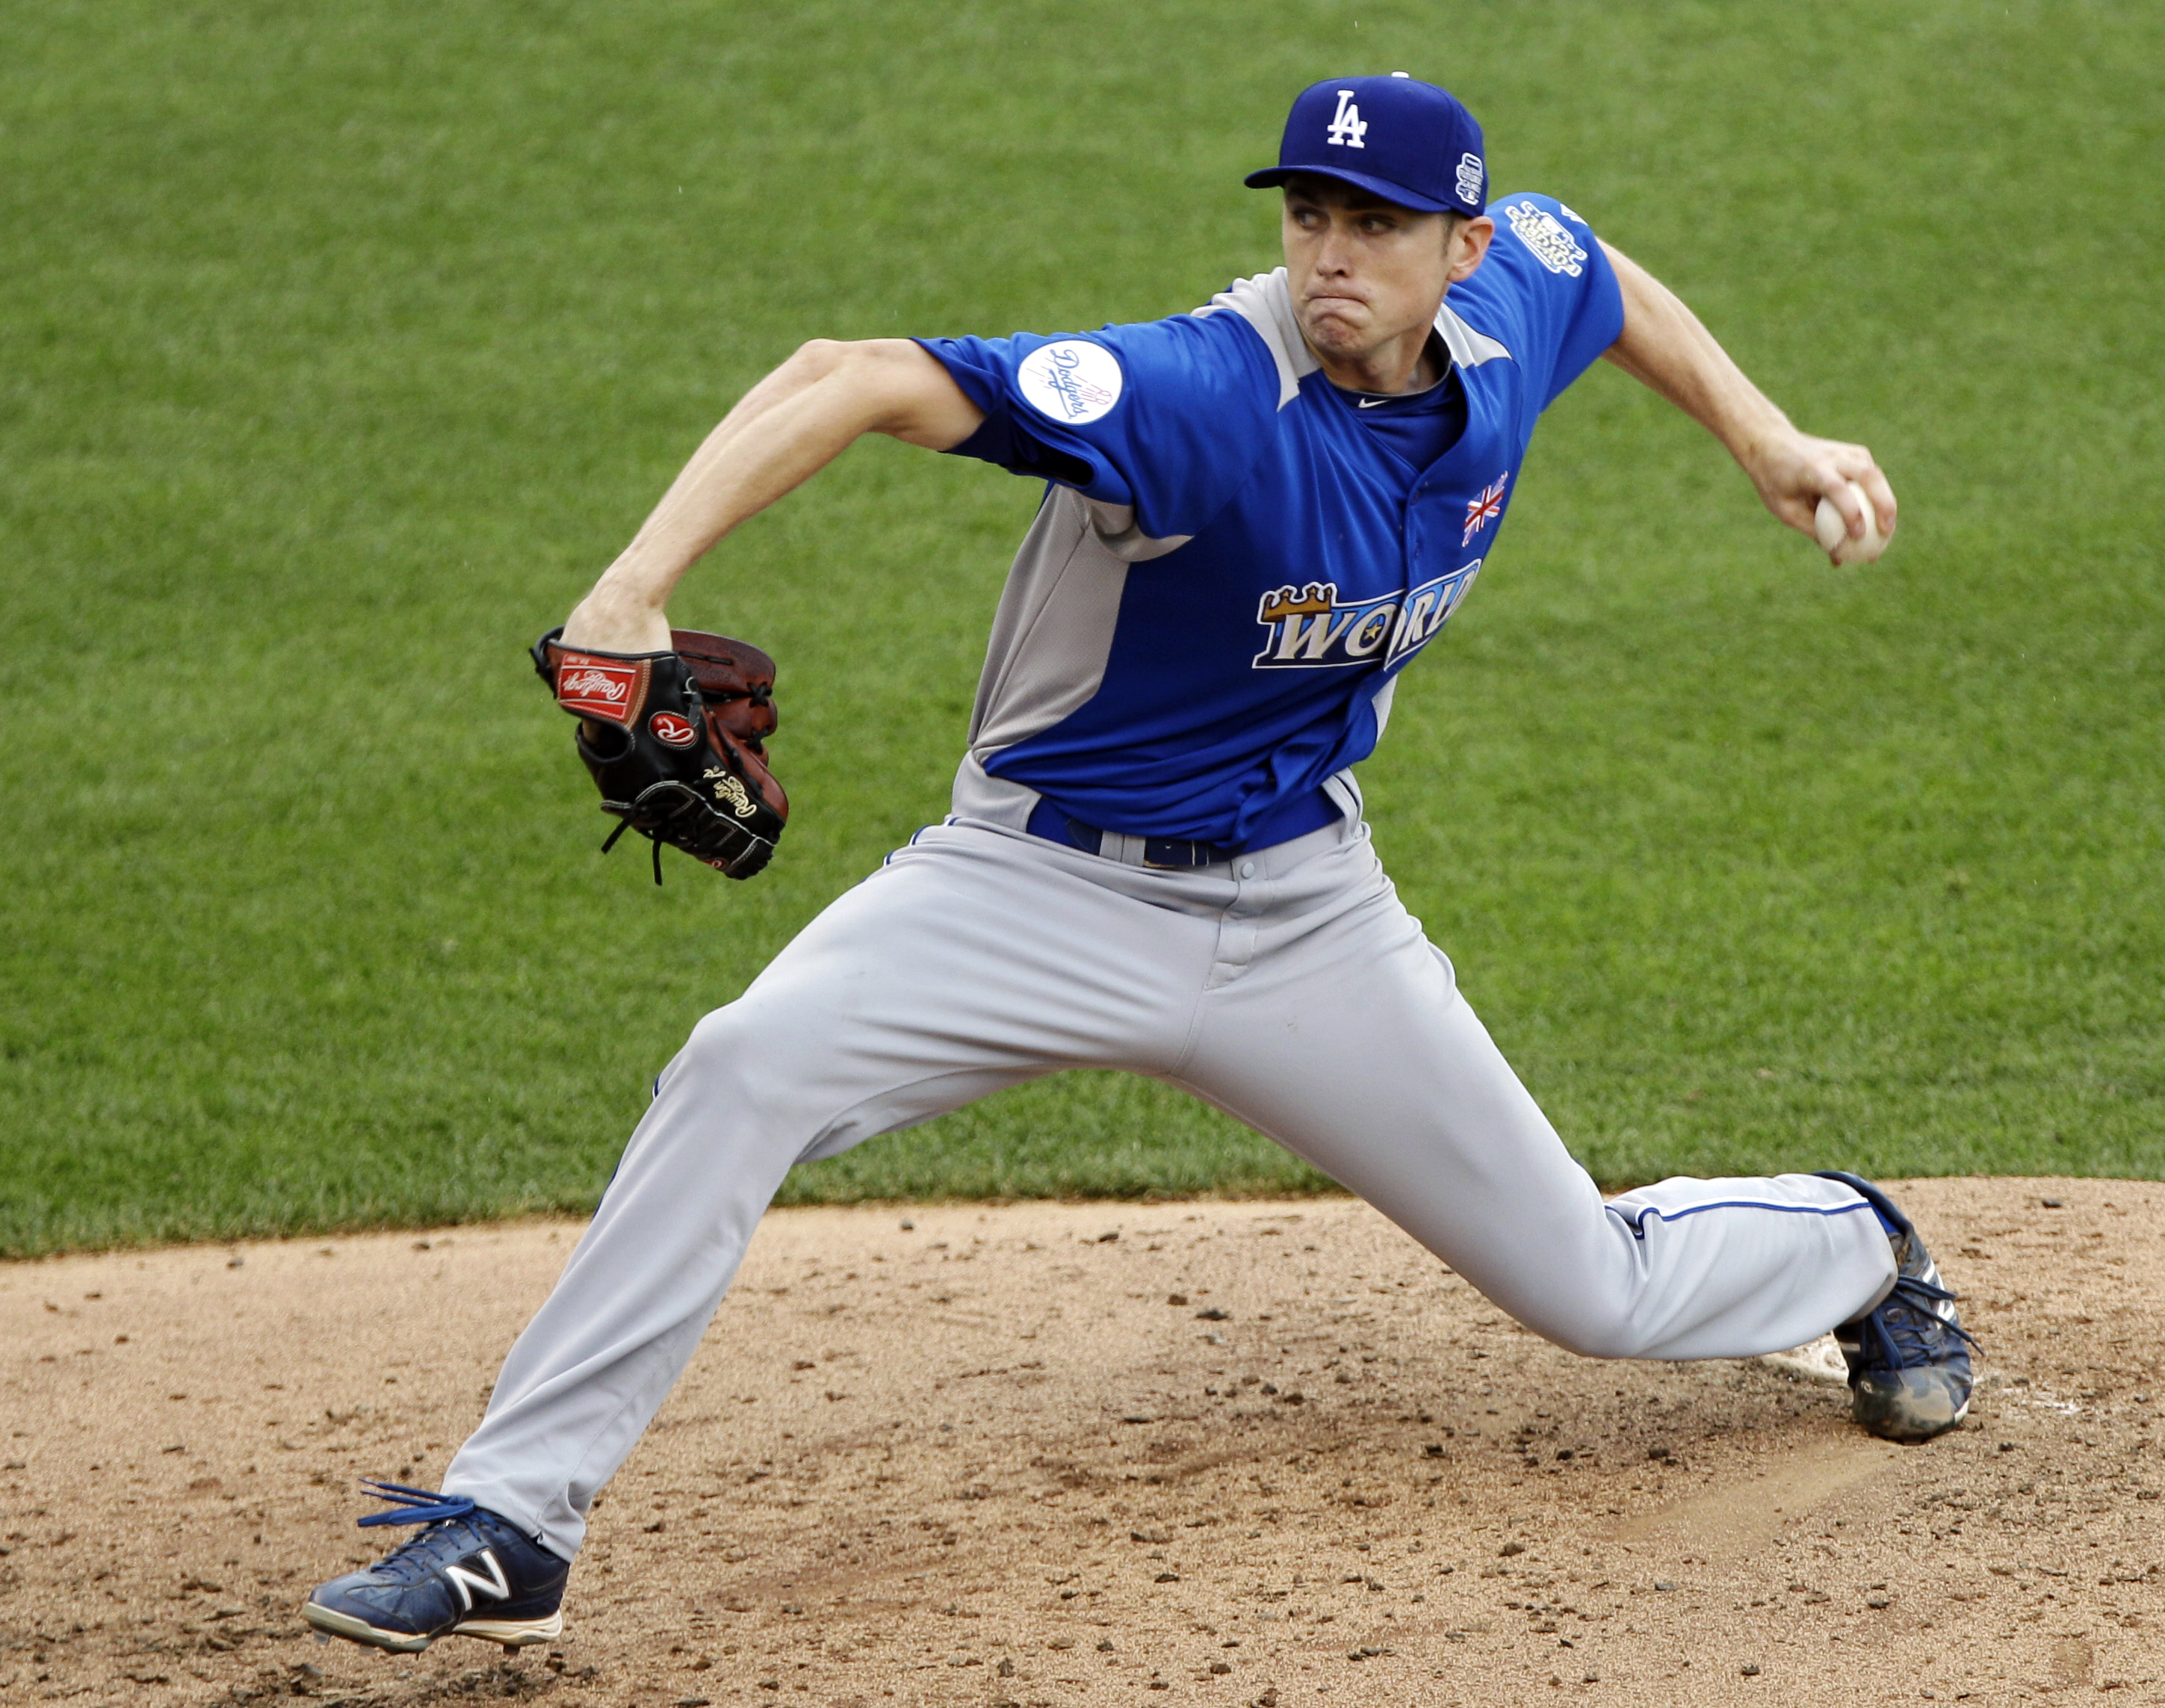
1468	245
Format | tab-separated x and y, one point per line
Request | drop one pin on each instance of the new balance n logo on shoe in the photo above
495	1586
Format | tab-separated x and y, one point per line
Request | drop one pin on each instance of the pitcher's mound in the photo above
1243	1453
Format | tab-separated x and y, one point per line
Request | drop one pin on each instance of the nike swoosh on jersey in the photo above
1373	402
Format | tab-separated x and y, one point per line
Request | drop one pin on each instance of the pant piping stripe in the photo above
1637	1221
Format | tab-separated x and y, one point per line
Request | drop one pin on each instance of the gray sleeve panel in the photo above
1266	303
1467	348
990	800
1051	637
1117	532
1384	696
1054	628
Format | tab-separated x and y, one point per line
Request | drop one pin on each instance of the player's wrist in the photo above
1755	431
609	623
1767	452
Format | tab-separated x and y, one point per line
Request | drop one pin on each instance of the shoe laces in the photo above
1908	1339
422	1506
413	1506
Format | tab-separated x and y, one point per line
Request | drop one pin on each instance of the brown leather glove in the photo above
676	742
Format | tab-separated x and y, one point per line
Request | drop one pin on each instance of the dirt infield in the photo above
1240	1453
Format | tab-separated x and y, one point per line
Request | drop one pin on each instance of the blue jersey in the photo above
1230	569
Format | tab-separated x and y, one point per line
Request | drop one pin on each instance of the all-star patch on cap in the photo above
1396	137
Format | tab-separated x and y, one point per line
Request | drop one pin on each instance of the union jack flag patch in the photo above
1481	511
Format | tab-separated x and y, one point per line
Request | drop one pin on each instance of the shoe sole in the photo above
1906	1431
511	1633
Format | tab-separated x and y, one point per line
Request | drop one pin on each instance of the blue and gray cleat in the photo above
470	1573
1908	1356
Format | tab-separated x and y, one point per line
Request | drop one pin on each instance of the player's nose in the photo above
1334	257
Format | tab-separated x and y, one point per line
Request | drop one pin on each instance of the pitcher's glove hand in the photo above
677	741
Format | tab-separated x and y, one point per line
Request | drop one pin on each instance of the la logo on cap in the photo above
1347	127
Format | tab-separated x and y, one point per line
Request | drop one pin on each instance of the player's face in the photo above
1367	275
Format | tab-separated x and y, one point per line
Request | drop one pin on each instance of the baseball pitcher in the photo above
1255	516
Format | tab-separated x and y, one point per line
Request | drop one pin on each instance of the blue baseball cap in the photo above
1396	137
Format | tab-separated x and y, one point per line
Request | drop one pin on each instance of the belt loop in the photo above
1114	846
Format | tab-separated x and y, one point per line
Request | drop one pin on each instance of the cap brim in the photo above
1271	176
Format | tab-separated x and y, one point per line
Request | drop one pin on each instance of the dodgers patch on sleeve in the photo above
1071	381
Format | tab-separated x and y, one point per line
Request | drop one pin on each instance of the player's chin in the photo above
1338	332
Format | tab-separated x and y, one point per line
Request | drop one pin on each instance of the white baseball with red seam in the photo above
1834	532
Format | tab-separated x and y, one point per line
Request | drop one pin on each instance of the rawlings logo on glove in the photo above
594	689
677	743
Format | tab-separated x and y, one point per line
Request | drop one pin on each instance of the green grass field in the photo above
340	346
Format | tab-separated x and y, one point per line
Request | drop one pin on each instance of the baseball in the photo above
1834	533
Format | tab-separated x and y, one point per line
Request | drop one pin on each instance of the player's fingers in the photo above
1874	481
1833	485
1854	462
1794	512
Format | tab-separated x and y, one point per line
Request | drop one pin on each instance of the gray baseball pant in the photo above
1289	988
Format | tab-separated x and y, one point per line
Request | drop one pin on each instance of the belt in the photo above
1296	818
